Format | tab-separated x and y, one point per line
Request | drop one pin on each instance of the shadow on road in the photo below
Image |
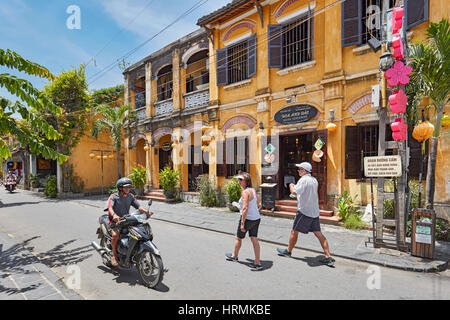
311	261
266	264
16	204
131	277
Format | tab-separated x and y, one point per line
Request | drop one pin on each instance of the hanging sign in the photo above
167	146
295	114
270	148
319	144
383	166
423	234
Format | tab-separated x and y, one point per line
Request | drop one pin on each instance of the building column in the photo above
148	89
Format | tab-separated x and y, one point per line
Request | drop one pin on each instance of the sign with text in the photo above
383	166
296	114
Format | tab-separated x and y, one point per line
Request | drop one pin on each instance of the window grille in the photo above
237	62
297	38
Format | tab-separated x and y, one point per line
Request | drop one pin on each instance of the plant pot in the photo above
139	191
169	194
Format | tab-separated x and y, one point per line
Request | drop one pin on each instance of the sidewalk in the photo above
24	277
343	243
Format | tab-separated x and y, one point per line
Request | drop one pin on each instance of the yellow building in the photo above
279	73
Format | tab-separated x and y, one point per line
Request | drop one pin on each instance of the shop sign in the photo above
423	234
383	166
295	114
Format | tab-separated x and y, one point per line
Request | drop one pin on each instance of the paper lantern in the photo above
92	156
111	156
399	129
397	44
105	157
331	127
398	101
423	131
146	148
445	120
398	74
99	157
397	19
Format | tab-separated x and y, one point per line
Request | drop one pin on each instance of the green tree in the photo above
113	120
431	65
37	103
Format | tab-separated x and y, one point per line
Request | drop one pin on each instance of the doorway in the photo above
298	147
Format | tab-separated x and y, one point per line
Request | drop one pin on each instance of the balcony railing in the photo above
139	99
141	114
199	98
163	107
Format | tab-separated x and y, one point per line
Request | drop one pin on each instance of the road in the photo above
59	233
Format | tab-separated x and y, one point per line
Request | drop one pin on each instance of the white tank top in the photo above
252	212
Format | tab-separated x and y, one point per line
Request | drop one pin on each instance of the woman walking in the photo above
249	221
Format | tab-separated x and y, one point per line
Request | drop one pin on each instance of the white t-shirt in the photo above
307	196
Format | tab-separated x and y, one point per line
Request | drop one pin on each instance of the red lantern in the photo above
399	129
397	43
397	19
398	101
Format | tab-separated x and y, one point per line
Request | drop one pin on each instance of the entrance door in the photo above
297	148
197	166
165	159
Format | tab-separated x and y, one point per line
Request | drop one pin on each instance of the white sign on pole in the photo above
383	166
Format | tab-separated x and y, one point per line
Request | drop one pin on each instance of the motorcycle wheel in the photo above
106	245
151	269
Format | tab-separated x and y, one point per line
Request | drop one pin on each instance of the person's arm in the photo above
245	201
136	205
114	217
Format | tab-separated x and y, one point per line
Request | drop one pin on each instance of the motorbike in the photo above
135	246
10	184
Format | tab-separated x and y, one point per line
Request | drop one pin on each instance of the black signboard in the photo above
295	114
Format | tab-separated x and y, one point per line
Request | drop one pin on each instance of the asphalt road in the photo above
59	233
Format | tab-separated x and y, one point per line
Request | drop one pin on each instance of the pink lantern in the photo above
397	43
398	101
398	74
399	129
397	19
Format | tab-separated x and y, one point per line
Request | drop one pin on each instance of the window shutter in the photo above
275	45
222	66
352	153
221	167
251	54
351	23
416	12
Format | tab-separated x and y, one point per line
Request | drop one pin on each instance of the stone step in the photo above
287	214
157	198
291	203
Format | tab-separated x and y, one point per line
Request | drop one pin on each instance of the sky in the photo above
48	33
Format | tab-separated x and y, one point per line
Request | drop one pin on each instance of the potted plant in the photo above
168	181
233	192
34	179
138	177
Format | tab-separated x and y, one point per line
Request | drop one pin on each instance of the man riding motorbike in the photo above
118	205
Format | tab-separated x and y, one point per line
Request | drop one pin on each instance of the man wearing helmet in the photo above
307	218
118	205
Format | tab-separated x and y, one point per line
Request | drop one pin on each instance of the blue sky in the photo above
36	29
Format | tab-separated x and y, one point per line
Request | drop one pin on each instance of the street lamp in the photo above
386	61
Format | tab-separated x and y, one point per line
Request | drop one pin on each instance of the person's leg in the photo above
257	249
323	243
114	241
237	247
292	240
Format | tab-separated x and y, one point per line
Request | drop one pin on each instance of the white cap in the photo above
305	165
240	177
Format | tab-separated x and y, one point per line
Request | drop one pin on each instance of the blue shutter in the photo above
351	28
275	45
416	12
222	66
251	54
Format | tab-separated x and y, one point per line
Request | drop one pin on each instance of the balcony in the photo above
196	99
141	114
163	107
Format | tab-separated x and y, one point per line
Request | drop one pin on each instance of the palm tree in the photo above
431	63
113	120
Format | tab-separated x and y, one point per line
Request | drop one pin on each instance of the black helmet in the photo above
124	182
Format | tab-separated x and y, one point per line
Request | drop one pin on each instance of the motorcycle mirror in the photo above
150	202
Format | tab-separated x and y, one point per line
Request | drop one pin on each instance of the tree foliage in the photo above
36	134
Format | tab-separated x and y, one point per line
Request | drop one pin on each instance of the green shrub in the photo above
233	190
168	179
207	193
138	177
354	222
34	179
346	206
112	190
51	187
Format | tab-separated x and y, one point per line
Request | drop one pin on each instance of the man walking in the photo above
307	218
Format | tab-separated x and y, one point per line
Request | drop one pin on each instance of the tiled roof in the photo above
235	4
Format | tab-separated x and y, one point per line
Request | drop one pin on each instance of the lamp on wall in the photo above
386	61
261	130
331	127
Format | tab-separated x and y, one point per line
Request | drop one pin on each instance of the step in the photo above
154	194
291	203
286	208
146	197
286	214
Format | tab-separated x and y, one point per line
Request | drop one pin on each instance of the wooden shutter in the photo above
221	167
251	54
222	66
416	12
275	45
351	28
352	153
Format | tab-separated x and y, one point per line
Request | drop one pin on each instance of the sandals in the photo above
114	262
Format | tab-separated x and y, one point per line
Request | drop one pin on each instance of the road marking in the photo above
51	284
17	286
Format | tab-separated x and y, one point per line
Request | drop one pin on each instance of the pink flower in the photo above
399	129
398	74
398	101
